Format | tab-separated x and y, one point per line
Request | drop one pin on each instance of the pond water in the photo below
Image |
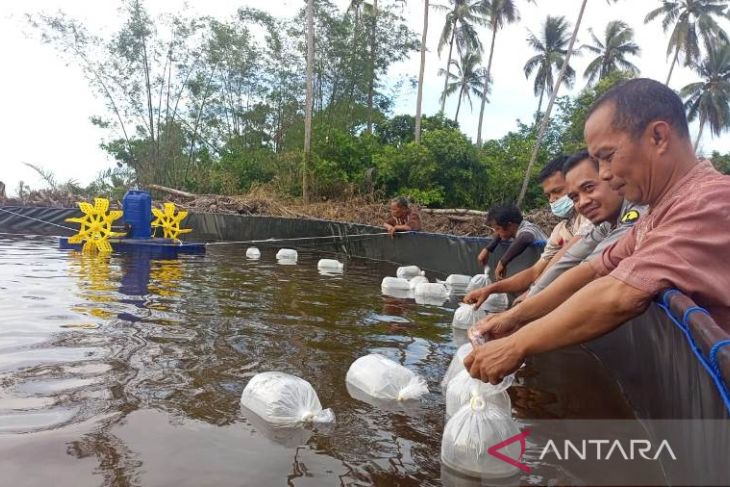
125	371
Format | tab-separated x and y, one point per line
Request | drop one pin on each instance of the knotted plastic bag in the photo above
290	255
496	303
463	387
432	290
253	253
477	282
284	399
409	272
458	283
456	365
466	316
416	281
471	432
381	378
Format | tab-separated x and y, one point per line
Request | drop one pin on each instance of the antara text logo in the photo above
603	449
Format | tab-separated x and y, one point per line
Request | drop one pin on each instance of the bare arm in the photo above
591	312
514	284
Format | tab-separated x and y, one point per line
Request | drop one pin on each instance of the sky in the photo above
47	104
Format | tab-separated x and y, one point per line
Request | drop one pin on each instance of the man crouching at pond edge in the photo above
638	133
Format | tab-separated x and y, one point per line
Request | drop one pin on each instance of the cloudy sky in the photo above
47	104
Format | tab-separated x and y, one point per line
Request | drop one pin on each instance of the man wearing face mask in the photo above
571	227
638	133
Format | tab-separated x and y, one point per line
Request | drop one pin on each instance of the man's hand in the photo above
494	326
500	271
477	297
390	229
494	360
483	257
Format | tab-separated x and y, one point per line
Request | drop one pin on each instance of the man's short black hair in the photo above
503	215
576	159
401	201
556	165
638	102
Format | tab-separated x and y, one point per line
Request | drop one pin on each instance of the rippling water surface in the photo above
128	371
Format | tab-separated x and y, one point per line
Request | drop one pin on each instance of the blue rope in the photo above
667	295
716	377
713	354
689	311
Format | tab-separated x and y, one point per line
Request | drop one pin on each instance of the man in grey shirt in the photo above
611	219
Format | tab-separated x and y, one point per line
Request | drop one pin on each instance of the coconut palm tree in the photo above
692	20
460	30
421	70
467	79
709	99
551	47
499	13
617	44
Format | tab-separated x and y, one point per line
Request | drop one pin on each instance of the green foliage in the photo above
721	162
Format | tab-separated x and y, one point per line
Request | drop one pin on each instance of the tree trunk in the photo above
553	96
699	135
448	67
309	98
371	84
419	97
458	104
671	68
486	86
539	104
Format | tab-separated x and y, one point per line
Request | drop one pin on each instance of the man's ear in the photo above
659	132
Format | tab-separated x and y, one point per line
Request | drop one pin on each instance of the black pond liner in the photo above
672	362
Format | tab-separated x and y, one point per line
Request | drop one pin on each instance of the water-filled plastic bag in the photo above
330	265
477	282
416	281
253	253
284	399
381	378
395	283
432	290
466	316
458	283
463	387
496	303
469	434
456	365
409	272
287	254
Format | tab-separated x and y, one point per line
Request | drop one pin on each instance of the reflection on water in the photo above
123	370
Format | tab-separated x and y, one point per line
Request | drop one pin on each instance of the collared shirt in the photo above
683	243
592	244
563	232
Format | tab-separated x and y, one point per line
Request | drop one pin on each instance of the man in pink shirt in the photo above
638	133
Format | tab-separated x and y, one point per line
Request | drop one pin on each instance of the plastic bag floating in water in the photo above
456	365
458	283
253	253
463	387
381	378
284	399
330	265
466	316
287	255
416	281
469	434
496	303
409	272
477	282
431	293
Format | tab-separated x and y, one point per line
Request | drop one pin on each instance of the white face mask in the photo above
562	207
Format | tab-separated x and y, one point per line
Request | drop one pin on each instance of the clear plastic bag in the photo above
463	387
253	253
416	281
496	303
287	254
466	316
381	378
394	284
456	365
284	399
458	283
470	433
330	265
409	272
432	290
477	282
